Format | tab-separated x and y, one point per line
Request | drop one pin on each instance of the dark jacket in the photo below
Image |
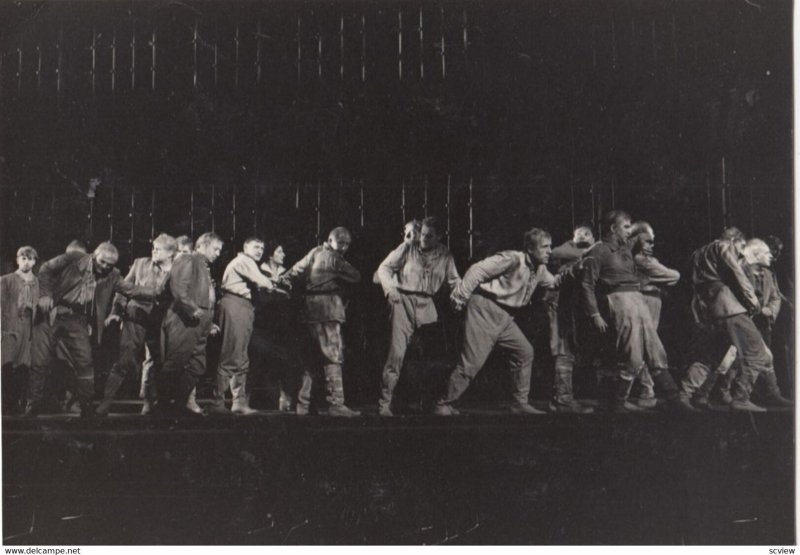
721	288
190	284
60	275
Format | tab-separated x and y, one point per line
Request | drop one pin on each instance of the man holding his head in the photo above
493	290
323	270
235	315
141	323
187	324
410	276
76	292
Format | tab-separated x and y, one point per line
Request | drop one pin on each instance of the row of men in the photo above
169	307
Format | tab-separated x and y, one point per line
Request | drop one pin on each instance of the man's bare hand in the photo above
113	318
599	324
457	304
45	304
393	296
215	329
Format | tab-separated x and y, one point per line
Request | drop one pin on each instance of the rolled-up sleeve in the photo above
481	272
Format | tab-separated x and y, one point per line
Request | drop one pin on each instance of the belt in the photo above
79	310
315	293
415	293
225	293
512	311
607	290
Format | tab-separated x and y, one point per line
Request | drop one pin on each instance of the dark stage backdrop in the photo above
121	120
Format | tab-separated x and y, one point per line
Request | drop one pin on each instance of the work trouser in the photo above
406	316
487	325
328	337
753	356
137	337
635	337
72	331
653	303
561	320
235	317
184	344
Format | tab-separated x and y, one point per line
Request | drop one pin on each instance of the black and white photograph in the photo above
393	272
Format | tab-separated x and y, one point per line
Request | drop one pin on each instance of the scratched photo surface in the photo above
284	120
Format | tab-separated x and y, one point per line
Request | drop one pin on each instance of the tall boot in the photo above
669	390
191	402
238	392
113	383
699	373
521	382
220	388
773	396
621	390
563	400
304	394
335	388
186	383
742	387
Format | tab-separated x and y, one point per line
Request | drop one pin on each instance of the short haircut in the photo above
252	240
339	233
107	248
76	245
732	234
207	238
433	223
416	224
167	241
641	227
754	245
184	241
610	219
270	247
28	252
775	245
533	237
584	225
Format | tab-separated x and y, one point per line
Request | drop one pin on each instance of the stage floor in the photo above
484	477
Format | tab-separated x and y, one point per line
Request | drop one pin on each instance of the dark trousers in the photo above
133	339
71	330
184	355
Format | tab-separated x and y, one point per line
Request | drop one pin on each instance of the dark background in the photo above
274	118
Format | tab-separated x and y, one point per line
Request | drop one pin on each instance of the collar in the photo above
614	243
528	261
85	263
26	277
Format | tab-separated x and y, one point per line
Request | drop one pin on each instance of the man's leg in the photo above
235	317
195	366
753	356
75	337
329	337
629	345
402	323
42	348
520	357
131	342
178	342
482	325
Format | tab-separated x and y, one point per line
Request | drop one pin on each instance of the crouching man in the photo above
493	291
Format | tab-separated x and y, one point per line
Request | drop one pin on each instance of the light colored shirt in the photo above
241	274
654	274
509	277
418	271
